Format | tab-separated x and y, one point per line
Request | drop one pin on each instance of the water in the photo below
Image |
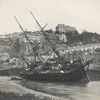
70	91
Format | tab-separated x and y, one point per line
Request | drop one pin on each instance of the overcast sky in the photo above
82	14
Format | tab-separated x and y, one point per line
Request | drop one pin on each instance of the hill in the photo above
76	38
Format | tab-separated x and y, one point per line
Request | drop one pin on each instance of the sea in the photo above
70	91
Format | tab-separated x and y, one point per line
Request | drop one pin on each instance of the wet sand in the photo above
10	90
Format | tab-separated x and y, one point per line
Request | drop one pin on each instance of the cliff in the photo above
63	37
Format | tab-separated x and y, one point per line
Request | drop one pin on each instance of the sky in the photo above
82	14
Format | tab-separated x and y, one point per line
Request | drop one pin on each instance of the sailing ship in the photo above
56	69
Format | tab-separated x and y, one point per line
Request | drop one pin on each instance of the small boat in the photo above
16	78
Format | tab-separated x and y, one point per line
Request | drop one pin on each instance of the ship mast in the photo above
27	38
20	54
53	48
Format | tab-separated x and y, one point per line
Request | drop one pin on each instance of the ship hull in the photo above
79	74
93	75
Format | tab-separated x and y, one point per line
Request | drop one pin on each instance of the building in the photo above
67	30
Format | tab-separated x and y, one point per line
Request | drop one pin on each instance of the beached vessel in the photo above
55	70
